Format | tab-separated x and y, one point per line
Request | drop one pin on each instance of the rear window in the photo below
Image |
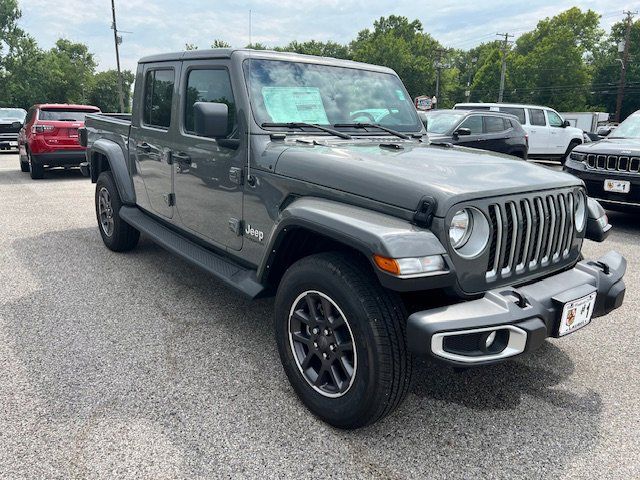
64	115
517	112
494	124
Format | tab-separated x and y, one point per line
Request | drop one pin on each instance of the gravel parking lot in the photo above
139	366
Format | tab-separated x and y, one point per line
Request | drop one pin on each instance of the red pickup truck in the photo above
50	137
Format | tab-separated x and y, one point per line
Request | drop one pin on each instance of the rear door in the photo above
539	134
208	171
151	134
496	133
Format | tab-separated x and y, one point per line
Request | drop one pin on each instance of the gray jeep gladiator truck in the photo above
313	180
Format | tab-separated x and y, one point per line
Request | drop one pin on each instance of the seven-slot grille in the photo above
530	233
619	163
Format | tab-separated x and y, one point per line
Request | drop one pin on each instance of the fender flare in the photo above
118	165
367	231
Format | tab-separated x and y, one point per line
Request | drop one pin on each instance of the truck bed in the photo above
115	127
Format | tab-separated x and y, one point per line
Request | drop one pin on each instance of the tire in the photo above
572	145
24	166
376	321
36	170
116	234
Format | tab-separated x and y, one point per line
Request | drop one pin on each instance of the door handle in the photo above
144	147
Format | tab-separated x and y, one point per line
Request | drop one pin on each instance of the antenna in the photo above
250	179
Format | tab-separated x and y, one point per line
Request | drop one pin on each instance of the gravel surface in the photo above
139	366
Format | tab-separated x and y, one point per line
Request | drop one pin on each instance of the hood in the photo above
612	146
402	177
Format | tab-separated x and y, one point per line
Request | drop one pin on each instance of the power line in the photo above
117	40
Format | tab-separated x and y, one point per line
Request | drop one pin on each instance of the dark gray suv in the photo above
312	179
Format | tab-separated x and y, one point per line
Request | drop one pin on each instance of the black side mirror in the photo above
211	119
16	125
462	132
566	124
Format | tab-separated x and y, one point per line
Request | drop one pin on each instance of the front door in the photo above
208	171
150	140
476	138
539	141
560	140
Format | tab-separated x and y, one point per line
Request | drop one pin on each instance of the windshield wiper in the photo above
308	125
373	125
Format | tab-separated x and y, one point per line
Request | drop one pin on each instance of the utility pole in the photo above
467	92
503	72
118	41
625	62
439	66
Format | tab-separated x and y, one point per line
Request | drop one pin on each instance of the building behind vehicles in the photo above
586	121
493	131
610	168
50	137
550	136
312	179
11	121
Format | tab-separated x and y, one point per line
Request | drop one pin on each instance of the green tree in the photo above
104	90
314	47
402	45
607	65
70	68
220	44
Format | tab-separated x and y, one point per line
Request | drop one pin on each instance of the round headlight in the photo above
460	228
580	214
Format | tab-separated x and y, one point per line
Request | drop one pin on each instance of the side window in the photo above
158	97
518	112
554	119
537	117
209	86
494	124
473	123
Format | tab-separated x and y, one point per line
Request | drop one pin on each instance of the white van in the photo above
550	136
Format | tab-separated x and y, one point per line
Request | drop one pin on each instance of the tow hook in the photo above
603	266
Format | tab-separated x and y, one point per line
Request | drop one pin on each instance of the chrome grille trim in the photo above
622	163
531	233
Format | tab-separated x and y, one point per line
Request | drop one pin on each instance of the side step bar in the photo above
235	276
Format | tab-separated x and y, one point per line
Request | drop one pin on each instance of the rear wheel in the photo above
36	169
116	234
342	340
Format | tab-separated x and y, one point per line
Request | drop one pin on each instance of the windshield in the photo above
442	122
15	114
285	92
630	128
67	115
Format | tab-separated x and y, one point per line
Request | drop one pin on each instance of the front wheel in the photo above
36	169
24	165
341	339
116	234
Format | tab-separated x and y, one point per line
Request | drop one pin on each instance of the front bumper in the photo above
523	317
594	182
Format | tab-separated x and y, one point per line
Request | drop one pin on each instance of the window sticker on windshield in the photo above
400	95
294	104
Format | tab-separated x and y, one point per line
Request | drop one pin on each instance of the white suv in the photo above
550	136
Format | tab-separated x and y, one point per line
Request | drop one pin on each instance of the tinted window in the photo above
518	112
473	123
66	115
494	124
209	86
554	119
158	94
537	117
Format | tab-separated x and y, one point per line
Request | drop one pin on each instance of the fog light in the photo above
490	339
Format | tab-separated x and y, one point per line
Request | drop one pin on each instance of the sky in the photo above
158	26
